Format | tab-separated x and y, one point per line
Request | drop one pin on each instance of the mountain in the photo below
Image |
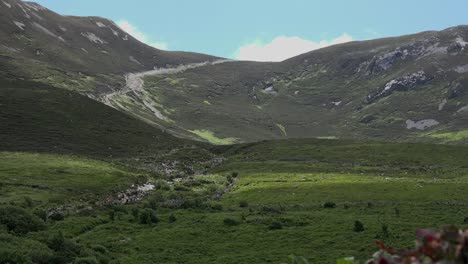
39	118
405	88
408	88
77	53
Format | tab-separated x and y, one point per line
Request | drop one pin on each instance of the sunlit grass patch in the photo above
210	137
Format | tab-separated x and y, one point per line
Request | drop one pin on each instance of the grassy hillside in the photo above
409	88
267	201
50	180
39	118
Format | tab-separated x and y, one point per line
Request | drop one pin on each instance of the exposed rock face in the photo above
404	83
421	124
384	62
269	88
463	109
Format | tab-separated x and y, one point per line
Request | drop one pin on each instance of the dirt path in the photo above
135	83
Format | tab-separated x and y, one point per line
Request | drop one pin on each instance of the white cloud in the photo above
141	36
284	47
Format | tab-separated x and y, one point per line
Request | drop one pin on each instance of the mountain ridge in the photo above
408	88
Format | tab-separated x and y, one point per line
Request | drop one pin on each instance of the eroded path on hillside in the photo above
134	83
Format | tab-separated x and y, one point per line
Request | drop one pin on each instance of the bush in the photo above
230	221
329	205
148	217
135	212
18	220
42	214
99	248
271	209
112	215
276	225
358	226
56	216
162	185
243	204
172	218
180	188
216	206
28	202
12	257
65	250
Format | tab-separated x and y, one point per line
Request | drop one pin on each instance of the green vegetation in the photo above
210	137
452	136
329	200
48	180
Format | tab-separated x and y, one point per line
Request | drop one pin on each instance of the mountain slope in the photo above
405	88
85	54
411	87
38	118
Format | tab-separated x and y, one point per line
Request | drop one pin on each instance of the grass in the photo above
295	201
452	136
210	137
48	179
282	185
39	118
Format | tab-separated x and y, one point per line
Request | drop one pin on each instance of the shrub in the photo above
180	188
99	248
193	203
276	225
135	212
163	185
112	215
65	250
329	205
42	214
271	209
120	209
20	221
148	217
13	257
243	204
230	221
216	206
234	174
358	226
57	216
172	218
28	202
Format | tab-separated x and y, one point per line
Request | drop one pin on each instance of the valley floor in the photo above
304	206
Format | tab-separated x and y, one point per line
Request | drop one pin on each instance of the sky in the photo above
266	30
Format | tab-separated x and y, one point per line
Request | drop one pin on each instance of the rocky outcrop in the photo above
421	124
404	83
385	61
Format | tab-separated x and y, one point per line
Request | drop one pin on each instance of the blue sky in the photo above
266	29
